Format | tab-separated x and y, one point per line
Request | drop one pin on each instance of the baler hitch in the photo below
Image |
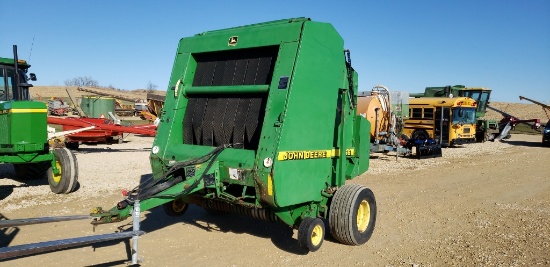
166	187
18	251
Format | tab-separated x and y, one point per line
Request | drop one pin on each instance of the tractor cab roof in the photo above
9	61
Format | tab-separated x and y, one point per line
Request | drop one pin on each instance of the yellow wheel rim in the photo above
317	235
57	178
178	205
363	216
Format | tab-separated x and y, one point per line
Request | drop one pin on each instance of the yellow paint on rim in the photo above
28	110
57	178
317	235
363	216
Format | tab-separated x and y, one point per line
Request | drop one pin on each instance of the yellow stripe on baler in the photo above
28	110
313	154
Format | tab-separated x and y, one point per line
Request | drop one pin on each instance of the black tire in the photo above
66	182
311	233
72	145
175	208
482	137
352	214
32	171
420	135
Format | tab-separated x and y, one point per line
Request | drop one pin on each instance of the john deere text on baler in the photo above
261	120
23	132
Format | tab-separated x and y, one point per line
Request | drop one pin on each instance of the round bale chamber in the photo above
97	106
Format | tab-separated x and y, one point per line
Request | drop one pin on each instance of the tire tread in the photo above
342	214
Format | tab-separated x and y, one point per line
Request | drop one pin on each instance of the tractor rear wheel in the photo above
66	181
31	171
175	208
311	233
352	214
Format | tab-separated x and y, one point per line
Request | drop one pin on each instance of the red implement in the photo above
104	130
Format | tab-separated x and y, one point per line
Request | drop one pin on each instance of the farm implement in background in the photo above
546	130
544	107
509	122
104	131
148	109
121	109
97	112
486	129
155	104
58	107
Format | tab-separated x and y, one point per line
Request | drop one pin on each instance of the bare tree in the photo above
82	81
151	87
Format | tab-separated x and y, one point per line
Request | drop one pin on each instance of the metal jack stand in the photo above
136	233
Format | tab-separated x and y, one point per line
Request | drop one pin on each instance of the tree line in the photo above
90	82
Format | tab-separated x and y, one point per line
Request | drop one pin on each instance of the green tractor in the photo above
24	135
486	130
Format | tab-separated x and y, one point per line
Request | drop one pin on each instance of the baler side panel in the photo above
169	133
274	115
309	118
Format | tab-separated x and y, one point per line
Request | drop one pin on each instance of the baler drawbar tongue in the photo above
49	246
29	221
54	245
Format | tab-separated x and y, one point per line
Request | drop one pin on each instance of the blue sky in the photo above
406	45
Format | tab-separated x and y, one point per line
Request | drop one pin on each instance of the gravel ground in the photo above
478	205
388	163
104	169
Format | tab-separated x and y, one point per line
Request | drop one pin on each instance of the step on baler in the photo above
260	120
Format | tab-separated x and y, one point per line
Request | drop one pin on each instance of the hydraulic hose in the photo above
150	188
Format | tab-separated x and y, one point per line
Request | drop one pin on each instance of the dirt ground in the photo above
479	205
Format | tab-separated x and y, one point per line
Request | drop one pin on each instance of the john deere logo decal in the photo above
233	40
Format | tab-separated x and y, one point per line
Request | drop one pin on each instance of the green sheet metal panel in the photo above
95	107
23	122
310	115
